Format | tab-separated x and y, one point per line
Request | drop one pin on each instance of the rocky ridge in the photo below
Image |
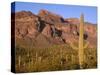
47	28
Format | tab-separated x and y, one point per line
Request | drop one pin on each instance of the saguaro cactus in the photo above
81	37
81	45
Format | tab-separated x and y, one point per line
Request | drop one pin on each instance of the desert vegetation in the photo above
57	57
48	42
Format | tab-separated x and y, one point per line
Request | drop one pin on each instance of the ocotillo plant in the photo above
81	44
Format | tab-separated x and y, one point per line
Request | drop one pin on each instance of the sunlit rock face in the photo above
51	27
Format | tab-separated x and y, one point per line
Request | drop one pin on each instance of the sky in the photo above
66	11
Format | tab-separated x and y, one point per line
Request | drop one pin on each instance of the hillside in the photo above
53	27
45	39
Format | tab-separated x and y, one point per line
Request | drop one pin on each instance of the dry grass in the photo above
57	57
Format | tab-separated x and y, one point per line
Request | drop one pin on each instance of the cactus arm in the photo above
74	47
85	46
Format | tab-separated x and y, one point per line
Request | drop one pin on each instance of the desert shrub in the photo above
56	57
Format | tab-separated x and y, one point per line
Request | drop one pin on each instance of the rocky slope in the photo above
47	28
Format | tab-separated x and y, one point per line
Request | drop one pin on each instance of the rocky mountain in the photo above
47	28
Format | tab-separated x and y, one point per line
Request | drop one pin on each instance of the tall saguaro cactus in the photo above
81	38
81	45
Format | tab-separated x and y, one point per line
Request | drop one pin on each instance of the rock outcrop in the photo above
48	28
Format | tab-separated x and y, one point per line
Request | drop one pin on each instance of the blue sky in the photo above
66	11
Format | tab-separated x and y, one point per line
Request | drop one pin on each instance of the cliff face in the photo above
47	28
50	17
